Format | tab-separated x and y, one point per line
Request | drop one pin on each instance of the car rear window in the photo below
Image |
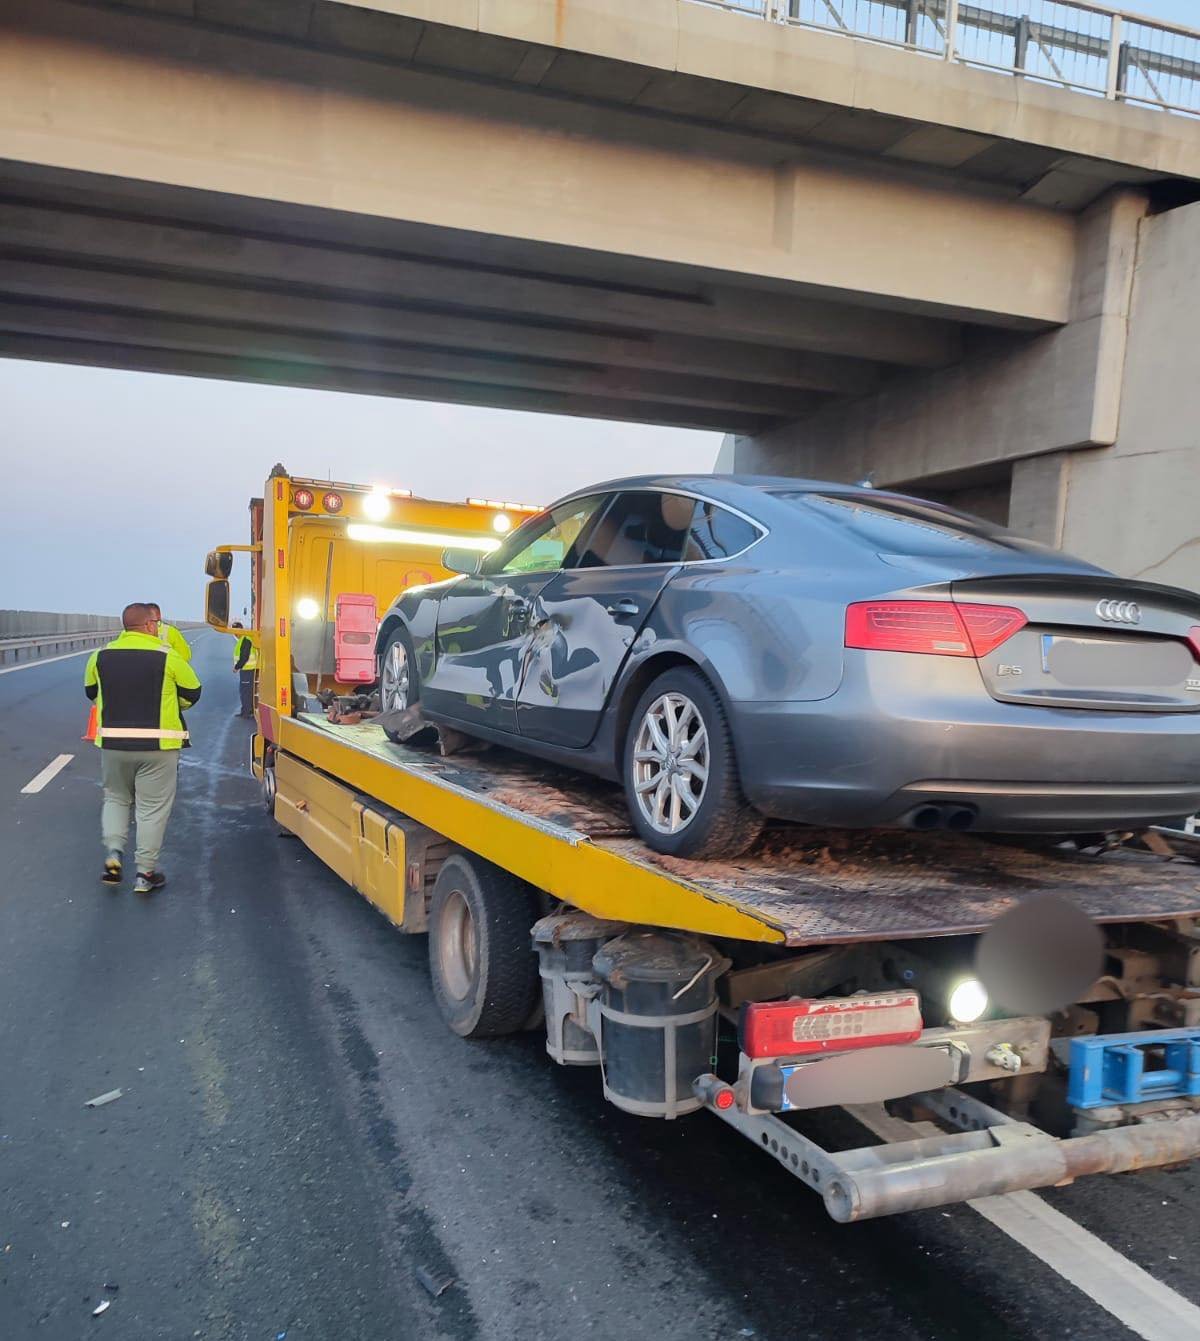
910	528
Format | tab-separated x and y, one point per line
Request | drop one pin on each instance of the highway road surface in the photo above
301	1147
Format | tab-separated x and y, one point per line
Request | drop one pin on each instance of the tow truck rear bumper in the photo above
993	1154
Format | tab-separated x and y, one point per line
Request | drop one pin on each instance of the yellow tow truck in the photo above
845	961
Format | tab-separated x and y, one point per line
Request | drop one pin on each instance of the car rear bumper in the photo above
897	739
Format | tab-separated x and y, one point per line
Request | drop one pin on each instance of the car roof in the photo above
728	488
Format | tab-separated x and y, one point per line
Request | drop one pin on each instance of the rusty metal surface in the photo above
826	886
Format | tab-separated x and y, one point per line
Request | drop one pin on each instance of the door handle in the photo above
625	607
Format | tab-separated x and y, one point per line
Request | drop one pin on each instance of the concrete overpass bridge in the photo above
960	256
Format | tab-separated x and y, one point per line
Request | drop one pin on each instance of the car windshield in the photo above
909	527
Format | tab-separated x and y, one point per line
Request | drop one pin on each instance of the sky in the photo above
119	483
1178	11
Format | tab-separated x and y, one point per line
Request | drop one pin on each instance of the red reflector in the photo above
835	1024
723	1099
332	502
1194	642
937	628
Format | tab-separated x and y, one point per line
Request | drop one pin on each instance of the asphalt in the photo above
301	1144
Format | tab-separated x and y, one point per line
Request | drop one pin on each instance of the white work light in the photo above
377	505
501	523
307	608
968	1001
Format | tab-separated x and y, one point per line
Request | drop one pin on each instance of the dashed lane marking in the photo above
51	771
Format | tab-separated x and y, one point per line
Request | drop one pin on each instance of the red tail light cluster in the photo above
1194	642
937	628
834	1024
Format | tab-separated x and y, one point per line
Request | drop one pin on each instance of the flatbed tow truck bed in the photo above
799	887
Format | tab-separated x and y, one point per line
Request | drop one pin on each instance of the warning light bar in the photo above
504	507
803	1026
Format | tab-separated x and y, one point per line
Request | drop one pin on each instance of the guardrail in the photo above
41	645
1089	48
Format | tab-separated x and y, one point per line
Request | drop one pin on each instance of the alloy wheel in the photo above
670	763
397	678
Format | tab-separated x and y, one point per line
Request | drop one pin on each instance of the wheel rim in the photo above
670	763
458	946
396	678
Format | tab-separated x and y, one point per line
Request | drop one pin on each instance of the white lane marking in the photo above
45	661
51	771
1146	1306
1132	1295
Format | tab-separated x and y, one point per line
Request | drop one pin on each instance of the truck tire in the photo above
483	967
711	817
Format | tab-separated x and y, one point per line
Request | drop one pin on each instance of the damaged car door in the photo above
586	619
484	620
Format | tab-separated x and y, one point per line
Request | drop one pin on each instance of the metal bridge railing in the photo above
1091	48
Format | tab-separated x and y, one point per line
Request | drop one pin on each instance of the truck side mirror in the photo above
462	561
218	563
216	603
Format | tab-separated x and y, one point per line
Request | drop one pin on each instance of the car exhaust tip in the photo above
960	819
925	818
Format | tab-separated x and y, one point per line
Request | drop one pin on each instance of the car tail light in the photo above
835	1024
1194	642
937	628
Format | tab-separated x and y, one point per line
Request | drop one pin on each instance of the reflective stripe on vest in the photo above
140	733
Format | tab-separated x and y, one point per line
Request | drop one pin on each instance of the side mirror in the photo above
218	563
216	603
462	561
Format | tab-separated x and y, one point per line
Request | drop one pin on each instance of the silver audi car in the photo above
733	648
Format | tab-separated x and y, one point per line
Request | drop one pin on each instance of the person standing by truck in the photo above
245	662
139	687
168	634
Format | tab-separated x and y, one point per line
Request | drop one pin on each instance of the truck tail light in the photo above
835	1024
1194	642
937	628
332	501
302	499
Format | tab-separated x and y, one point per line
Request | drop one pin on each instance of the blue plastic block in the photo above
1111	1069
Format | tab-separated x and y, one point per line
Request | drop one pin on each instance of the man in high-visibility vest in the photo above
139	688
168	634
245	662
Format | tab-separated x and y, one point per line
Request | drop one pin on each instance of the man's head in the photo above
154	608
138	617
237	625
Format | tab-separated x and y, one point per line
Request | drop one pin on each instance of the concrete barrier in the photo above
34	635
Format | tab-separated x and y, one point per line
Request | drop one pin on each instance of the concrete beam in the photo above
125	94
228	368
1009	398
201	299
262	343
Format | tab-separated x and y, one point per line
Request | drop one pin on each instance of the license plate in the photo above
1099	663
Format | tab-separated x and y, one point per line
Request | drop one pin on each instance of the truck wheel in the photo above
680	774
484	970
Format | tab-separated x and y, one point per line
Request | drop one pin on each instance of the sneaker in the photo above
148	881
112	867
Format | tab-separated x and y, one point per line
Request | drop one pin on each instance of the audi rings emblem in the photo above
1119	612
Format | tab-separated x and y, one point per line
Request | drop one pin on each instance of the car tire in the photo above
399	640
481	961
722	822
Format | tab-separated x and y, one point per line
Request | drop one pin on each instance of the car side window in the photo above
717	533
637	528
543	544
